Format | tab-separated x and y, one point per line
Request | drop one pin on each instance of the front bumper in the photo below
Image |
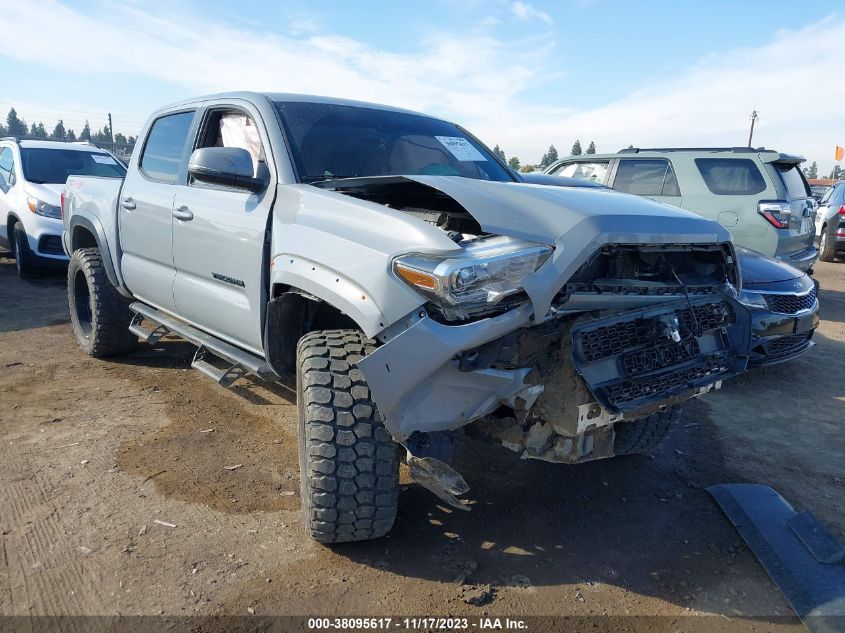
780	337
435	377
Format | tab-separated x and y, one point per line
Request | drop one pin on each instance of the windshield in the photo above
340	141
42	165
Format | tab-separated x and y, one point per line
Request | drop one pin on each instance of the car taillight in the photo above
62	203
842	210
776	212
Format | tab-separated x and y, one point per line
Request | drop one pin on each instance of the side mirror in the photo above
226	166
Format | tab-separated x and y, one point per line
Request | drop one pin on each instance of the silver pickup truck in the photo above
413	286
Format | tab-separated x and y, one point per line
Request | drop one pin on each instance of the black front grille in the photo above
790	304
50	245
787	344
659	357
614	339
632	389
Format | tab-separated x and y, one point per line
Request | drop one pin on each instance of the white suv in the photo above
32	179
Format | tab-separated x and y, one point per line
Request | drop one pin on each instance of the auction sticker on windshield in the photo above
103	159
460	148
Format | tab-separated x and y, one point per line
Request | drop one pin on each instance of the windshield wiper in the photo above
312	179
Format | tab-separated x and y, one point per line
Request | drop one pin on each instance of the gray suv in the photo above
759	195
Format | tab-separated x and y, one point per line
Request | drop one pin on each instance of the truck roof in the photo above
289	97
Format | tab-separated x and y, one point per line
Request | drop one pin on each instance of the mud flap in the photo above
791	547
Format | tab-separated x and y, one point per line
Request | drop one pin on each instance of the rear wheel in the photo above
24	258
644	435
827	247
99	314
349	465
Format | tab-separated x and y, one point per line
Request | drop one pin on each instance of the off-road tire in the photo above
99	314
348	463
642	436
24	258
827	246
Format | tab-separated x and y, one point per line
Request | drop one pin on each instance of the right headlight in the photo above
476	280
39	207
752	299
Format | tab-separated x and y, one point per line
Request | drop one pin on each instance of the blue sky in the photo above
521	74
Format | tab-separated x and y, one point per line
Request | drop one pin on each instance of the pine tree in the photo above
59	131
85	135
498	152
592	148
576	149
14	125
513	163
71	135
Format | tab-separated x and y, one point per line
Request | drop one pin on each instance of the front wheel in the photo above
349	465
642	436
99	314
827	247
24	258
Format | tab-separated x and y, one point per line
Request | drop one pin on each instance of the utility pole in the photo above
751	133
111	133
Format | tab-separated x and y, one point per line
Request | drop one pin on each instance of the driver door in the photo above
219	235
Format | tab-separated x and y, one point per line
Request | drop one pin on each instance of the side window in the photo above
165	146
646	177
731	176
7	166
827	195
233	128
592	172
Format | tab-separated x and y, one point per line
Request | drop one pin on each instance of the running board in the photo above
238	361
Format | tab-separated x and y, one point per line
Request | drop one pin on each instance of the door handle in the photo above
183	213
128	204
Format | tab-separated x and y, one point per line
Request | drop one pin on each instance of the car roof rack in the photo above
11	138
736	150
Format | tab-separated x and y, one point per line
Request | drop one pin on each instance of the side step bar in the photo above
238	361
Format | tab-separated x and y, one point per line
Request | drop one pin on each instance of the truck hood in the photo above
47	192
546	213
576	221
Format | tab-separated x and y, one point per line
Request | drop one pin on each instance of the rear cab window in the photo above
165	147
595	171
731	176
646	177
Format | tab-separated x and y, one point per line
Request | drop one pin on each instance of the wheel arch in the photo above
86	232
11	220
291	314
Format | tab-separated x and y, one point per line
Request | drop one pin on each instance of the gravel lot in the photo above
94	454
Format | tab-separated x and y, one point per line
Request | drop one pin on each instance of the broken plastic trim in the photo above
439	478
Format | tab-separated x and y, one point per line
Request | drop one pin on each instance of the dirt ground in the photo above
115	499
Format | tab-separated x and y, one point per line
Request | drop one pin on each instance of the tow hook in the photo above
670	328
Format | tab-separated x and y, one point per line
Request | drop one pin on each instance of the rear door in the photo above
219	234
790	179
145	210
650	177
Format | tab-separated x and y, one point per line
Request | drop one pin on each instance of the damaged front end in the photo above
554	323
